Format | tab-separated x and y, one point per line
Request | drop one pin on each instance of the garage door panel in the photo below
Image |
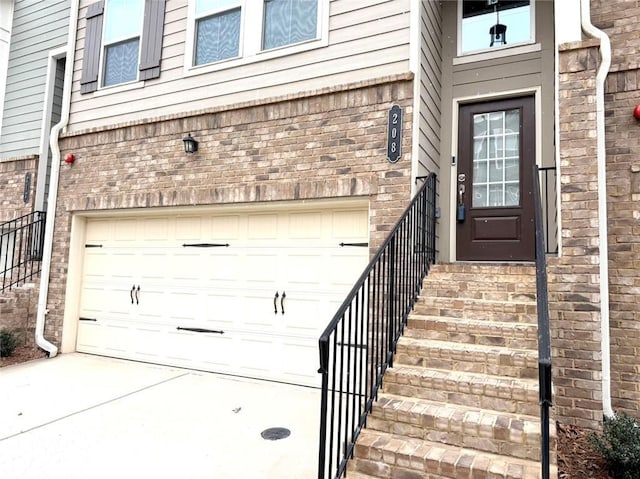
125	230
221	289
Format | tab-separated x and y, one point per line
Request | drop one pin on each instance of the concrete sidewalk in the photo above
80	416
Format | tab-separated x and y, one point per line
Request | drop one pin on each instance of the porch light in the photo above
190	144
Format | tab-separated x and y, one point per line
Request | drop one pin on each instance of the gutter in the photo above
49	347
601	76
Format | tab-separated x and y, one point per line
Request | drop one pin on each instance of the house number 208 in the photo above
394	134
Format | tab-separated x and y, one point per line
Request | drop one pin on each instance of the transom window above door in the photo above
493	24
228	32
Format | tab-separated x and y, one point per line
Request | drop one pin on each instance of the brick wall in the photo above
12	182
574	276
18	309
621	21
324	145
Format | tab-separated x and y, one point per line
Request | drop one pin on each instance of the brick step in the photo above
510	395
487	270
492	360
480	429
410	458
486	293
473	331
469	308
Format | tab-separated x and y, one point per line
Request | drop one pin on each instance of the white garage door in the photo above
238	293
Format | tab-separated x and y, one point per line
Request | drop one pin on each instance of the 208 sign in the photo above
394	134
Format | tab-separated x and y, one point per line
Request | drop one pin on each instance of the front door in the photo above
496	154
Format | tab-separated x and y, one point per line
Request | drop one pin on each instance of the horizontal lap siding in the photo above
367	39
38	27
430	86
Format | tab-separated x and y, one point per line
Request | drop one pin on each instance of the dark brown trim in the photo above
92	42
152	32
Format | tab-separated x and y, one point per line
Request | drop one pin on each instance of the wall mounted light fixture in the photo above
190	145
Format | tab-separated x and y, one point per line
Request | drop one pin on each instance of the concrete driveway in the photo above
81	416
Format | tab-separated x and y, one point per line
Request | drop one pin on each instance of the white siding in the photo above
38	27
6	18
430	86
367	39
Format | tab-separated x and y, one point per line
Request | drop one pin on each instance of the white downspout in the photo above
601	76
52	349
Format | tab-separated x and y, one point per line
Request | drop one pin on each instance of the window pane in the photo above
121	62
123	19
218	37
488	26
289	21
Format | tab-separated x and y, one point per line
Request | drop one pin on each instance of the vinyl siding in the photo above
38	27
367	39
430	86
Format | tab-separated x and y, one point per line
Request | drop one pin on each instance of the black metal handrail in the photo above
358	345
544	336
21	242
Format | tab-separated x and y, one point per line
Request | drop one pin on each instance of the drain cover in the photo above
275	433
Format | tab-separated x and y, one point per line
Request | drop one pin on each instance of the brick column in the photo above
574	281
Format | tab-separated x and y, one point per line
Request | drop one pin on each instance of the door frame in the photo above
457	102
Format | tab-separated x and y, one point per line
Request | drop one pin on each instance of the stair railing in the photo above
358	345
21	242
544	336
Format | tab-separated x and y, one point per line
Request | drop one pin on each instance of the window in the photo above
490	24
288	21
217	30
237	31
123	42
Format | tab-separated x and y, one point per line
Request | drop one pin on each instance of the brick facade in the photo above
323	145
18	309
12	183
619	19
574	281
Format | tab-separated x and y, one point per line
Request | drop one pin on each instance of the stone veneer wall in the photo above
12	181
619	19
327	144
574	278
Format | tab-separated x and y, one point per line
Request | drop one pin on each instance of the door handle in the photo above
284	295
275	303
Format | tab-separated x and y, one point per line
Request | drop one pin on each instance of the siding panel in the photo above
351	56
38	27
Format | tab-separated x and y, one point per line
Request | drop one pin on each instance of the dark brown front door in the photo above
496	154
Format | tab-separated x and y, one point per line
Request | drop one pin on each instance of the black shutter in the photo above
152	31
91	53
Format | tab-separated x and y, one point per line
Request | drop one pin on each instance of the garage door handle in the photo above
275	303
133	289
284	295
137	292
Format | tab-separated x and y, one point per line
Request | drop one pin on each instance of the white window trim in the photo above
501	51
103	49
251	44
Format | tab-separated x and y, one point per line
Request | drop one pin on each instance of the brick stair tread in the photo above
471	326
487	430
502	269
412	458
477	383
471	308
507	394
434	344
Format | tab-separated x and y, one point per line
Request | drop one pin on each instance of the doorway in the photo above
494	186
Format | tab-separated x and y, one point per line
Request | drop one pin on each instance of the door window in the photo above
496	159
